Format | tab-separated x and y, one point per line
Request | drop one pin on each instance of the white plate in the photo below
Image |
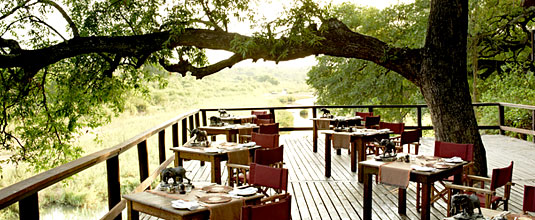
181	204
453	160
212	150
244	192
421	168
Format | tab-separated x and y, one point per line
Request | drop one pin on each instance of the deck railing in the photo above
26	191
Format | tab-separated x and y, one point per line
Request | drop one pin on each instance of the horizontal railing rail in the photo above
26	191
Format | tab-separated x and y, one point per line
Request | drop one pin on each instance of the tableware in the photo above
217	189
214	199
441	166
422	168
453	160
212	150
181	204
249	191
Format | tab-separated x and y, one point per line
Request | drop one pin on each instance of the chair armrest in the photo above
239	166
478	178
273	197
468	188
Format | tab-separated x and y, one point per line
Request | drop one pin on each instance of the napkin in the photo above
341	141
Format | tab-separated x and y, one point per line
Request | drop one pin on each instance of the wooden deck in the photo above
340	197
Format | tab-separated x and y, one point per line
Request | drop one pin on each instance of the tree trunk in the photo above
443	78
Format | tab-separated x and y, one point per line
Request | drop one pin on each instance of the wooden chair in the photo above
264	119
245	135
265	140
253	112
273	157
448	150
363	115
411	137
529	199
267	178
238	167
272	128
396	128
372	122
487	197
274	207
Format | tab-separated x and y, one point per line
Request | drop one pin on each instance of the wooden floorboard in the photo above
340	197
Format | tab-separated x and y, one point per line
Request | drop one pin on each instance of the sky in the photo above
215	56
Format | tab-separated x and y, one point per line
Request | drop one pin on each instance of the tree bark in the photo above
443	78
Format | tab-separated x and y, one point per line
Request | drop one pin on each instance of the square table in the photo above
358	141
332	121
371	167
160	206
237	119
199	153
231	131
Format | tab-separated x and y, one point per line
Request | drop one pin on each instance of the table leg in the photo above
338	151
353	153
314	137
132	214
367	207
361	156
178	161
402	201
426	206
328	155
216	169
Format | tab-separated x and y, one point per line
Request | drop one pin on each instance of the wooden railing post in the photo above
161	146
501	117
272	112
29	207
143	158
533	124
175	135
184	131
419	117
370	109
114	183
190	120
204	119
314	110
197	120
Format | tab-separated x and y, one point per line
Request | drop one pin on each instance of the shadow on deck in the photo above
340	196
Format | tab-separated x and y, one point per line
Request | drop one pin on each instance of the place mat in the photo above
169	195
217	189
227	211
395	174
341	141
214	199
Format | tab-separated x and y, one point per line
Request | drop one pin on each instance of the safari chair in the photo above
529	199
253	112
272	128
273	157
245	135
487	197
265	140
448	150
273	207
411	137
265	178
363	115
238	167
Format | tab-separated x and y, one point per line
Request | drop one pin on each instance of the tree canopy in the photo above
56	79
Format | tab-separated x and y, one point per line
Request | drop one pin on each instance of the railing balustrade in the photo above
26	191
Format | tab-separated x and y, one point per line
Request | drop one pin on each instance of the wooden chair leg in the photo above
418	192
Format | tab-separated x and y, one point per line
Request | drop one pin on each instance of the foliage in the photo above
343	81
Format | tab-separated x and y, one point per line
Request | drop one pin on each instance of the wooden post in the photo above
419	115
204	119
175	135
533	123
370	109
184	131
197	120
143	158
190	120
501	117
114	183
161	146
314	110
272	112
29	207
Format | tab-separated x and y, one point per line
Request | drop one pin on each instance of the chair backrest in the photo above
529	199
396	128
501	176
447	149
280	210
410	136
271	177
239	157
371	121
265	140
269	156
253	112
272	128
363	114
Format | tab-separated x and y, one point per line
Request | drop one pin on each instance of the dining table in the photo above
331	121
230	130
491	213
238	119
424	176
215	154
208	205
357	150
